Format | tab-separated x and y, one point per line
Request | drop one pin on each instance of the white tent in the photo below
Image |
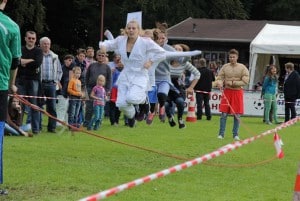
272	40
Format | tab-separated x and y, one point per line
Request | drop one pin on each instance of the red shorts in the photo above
232	101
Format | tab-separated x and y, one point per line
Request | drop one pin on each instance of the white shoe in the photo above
221	137
236	138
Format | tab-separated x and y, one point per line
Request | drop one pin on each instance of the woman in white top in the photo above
137	55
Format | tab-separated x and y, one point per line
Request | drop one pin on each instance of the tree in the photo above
76	23
283	10
228	9
29	14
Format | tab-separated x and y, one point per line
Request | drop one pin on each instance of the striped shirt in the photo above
177	71
47	68
100	93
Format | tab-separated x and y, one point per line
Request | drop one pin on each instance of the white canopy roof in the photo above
277	39
272	40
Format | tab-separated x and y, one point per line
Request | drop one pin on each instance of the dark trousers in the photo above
114	113
3	113
88	108
177	98
289	109
49	90
200	98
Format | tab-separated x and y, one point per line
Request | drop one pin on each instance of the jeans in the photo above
11	130
97	118
178	99
81	114
236	124
170	110
73	111
50	92
30	88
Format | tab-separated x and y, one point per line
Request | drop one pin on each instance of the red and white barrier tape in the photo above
221	151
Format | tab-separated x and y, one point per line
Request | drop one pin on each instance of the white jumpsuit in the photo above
133	82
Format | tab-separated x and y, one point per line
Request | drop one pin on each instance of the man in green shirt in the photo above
10	53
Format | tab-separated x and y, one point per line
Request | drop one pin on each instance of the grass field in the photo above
62	167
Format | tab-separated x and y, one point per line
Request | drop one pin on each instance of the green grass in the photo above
65	167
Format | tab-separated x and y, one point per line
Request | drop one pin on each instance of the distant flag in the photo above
137	16
278	143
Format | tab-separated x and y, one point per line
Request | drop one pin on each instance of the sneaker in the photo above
208	118
162	114
3	192
181	124
131	122
51	131
220	137
268	122
141	111
140	116
236	138
36	132
172	122
150	117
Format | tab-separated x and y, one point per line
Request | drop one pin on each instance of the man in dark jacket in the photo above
291	90
203	89
28	76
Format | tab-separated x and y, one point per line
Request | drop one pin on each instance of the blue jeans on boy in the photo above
236	124
97	118
73	111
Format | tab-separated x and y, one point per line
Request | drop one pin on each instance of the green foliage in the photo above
77	23
29	14
66	167
284	10
230	9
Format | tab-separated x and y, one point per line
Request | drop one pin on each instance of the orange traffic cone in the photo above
191	116
297	186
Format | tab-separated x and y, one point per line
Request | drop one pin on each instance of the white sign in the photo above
253	104
136	16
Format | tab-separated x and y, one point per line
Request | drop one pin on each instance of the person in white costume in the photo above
137	54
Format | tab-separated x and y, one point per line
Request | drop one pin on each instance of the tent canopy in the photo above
272	40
